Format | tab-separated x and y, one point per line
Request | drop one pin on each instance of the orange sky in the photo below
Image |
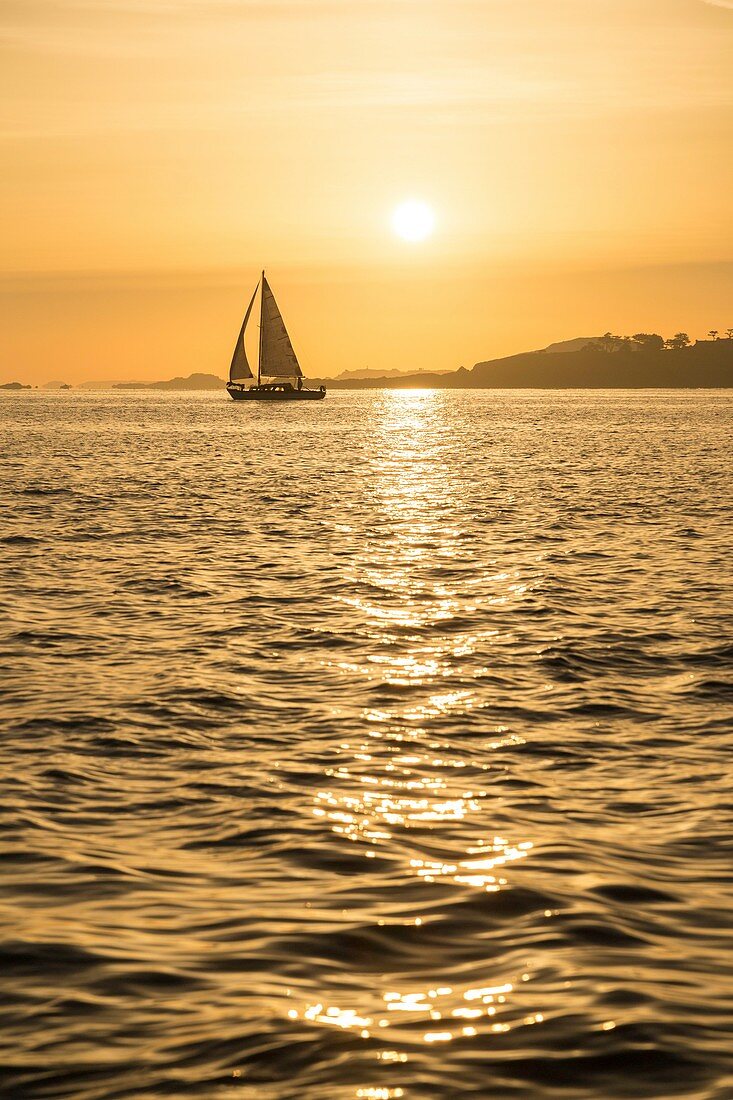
157	153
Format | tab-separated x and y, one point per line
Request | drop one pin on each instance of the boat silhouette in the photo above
276	360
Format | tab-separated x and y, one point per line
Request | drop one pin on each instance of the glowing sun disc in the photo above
413	220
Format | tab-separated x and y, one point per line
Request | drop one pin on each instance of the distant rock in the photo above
193	382
371	372
108	384
55	386
14	386
400	381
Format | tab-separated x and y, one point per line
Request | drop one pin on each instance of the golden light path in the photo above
399	786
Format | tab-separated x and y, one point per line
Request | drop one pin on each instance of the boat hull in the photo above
255	393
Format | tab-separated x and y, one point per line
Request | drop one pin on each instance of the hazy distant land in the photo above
600	362
193	382
607	362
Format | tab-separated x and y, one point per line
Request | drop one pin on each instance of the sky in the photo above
156	154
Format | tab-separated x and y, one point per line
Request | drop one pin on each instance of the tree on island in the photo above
608	342
648	341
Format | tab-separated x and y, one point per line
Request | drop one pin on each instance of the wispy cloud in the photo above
720	3
467	87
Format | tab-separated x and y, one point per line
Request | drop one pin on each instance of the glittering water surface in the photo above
372	748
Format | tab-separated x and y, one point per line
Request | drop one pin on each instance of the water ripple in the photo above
370	751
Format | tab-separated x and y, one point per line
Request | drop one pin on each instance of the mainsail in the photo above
240	368
277	358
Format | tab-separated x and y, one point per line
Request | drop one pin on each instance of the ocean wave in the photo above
396	771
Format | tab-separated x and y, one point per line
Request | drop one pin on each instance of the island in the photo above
192	382
644	360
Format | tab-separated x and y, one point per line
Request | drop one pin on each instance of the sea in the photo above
371	748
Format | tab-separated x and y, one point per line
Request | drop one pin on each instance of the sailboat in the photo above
277	362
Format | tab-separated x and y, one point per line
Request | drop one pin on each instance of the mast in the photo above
262	319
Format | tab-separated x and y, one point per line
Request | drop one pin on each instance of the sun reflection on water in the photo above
402	789
436	1014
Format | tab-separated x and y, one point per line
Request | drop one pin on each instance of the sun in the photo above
413	220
